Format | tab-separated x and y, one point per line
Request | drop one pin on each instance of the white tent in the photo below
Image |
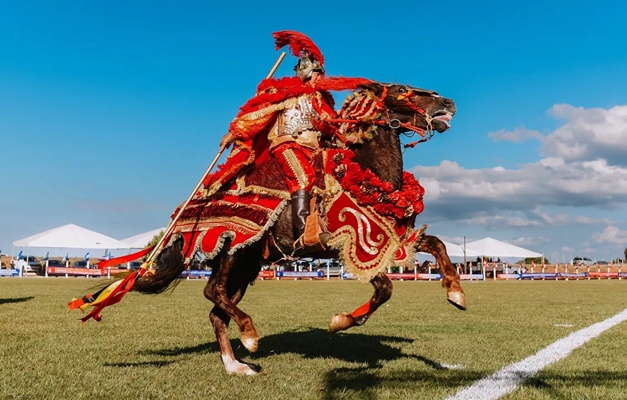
141	240
495	248
71	237
456	250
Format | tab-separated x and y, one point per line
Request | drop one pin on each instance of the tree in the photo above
537	260
154	241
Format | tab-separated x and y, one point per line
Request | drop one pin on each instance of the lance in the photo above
170	227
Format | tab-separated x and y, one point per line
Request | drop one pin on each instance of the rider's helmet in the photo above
310	58
306	66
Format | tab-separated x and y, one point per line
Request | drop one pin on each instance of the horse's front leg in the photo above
382	293
450	277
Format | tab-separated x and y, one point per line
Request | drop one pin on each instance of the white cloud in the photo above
611	234
579	182
529	241
589	134
546	182
518	135
503	219
585	220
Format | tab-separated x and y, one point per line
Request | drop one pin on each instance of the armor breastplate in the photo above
298	118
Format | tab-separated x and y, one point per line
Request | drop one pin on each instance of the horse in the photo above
399	109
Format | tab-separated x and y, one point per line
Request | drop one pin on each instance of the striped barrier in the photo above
271	274
266	274
87	272
472	277
410	276
195	274
300	274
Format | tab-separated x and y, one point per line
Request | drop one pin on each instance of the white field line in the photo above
507	379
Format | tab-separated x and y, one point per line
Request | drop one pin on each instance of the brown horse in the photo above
403	109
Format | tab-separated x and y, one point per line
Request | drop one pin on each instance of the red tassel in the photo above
125	259
114	297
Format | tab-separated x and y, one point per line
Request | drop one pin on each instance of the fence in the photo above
553	272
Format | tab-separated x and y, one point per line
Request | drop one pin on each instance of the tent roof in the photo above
495	248
456	250
71	237
140	241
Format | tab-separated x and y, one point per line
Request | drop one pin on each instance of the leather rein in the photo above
394	123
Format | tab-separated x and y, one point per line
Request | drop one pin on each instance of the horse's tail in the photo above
169	267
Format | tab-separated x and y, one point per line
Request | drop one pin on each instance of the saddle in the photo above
242	201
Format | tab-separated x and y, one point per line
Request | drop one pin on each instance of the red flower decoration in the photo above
365	187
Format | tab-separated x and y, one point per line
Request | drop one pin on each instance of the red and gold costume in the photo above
285	120
288	115
292	127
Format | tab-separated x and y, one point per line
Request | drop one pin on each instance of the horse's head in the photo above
408	108
378	113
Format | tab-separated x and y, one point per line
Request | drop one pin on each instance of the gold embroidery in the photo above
297	170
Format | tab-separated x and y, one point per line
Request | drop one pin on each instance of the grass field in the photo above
416	346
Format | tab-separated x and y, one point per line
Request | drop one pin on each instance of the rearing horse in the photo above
400	109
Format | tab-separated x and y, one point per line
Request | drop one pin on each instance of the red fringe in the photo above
272	91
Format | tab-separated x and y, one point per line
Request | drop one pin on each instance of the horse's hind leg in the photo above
219	291
450	277
220	321
382	293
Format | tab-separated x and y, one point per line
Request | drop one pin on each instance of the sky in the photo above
110	112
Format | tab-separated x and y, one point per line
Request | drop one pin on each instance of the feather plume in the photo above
299	44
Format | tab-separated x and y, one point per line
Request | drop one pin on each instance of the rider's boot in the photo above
301	203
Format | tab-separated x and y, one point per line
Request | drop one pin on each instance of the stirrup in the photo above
312	244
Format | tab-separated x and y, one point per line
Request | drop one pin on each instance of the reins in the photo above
395	123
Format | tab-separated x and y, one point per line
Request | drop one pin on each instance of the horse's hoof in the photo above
234	367
458	299
341	321
251	344
242	370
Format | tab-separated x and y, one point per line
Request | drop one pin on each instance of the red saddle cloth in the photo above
239	214
370	222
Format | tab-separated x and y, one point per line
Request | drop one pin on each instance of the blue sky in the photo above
110	112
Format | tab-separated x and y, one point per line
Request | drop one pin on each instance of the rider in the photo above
293	129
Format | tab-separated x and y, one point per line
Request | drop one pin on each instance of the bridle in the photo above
379	109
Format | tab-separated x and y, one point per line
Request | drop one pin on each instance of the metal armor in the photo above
295	125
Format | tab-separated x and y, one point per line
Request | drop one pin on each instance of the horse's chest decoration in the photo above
369	221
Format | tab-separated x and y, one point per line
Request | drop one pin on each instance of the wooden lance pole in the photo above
170	227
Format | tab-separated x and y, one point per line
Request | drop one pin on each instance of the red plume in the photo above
299	44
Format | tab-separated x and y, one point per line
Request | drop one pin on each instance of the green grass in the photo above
163	347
